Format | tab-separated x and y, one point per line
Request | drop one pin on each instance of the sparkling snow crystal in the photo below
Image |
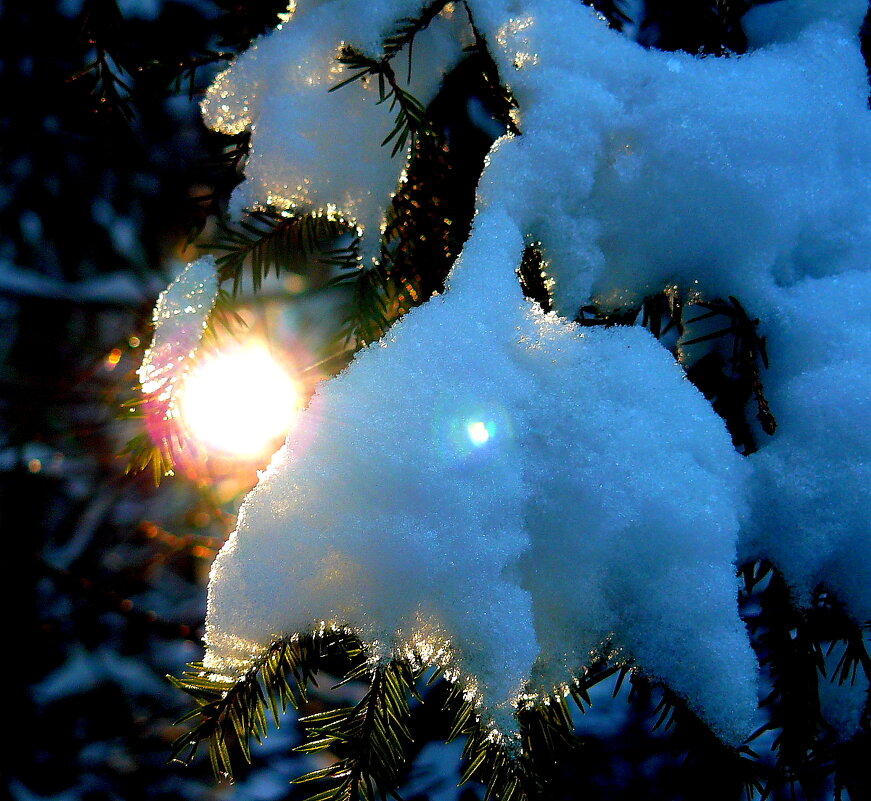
555	489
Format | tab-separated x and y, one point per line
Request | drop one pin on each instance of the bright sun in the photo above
238	402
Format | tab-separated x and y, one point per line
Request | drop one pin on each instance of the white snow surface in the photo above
279	89
180	318
505	488
811	491
588	511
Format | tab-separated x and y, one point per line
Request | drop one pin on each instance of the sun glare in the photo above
238	402
479	432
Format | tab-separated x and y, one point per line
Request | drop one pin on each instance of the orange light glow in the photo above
113	358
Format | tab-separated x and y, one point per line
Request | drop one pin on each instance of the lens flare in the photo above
239	402
479	432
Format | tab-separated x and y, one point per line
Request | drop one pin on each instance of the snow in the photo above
581	517
508	492
632	159
811	488
180	318
281	84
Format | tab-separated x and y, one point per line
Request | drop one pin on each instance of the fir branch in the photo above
598	671
372	739
855	655
373	736
748	351
792	645
529	768
101	23
408	28
224	316
660	313
754	573
488	761
410	123
532	277
160	445
275	242
185	72
368	315
736	772
241	22
235	149
267	243
517	770
180	77
712	28
221	170
828	622
230	713
141	451
402	36
502	103
728	384
592	315
484	754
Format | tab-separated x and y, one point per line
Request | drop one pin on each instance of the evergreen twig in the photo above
748	351
411	122
160	445
373	736
276	242
407	29
231	712
793	645
101	22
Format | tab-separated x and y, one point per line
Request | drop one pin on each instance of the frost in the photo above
553	491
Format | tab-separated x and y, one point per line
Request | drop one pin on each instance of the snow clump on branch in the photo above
555	489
